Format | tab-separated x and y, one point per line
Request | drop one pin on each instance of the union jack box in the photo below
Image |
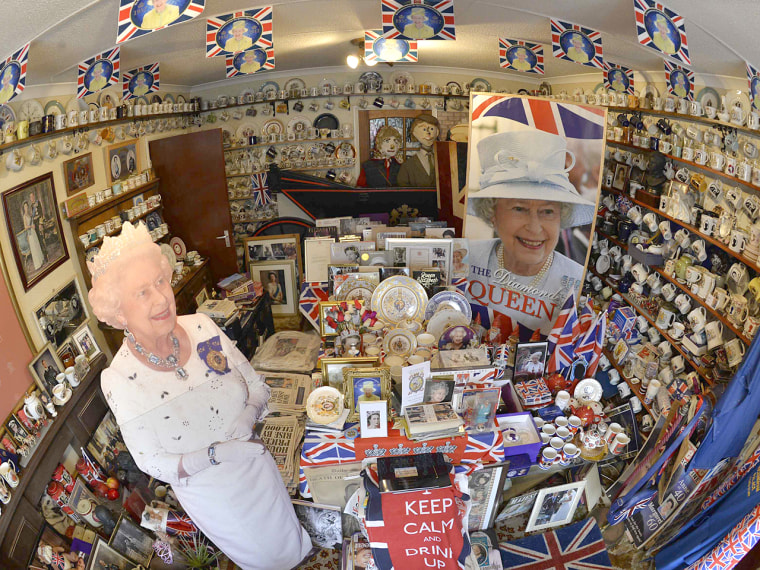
624	318
533	393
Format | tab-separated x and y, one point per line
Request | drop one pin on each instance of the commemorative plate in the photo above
298	124
178	247
54	108
448	300
327	121
356	288
371	76
399	298
442	320
709	97
588	390
479	84
400	342
324	405
272	126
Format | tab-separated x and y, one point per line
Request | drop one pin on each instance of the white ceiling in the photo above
316	33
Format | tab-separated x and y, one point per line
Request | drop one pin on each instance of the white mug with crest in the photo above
750	327
654	335
706	285
678	364
714	332
738	309
635	215
735	350
669	291
650	221
640	272
683	303
697	319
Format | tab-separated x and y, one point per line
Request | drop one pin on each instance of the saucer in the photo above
66	397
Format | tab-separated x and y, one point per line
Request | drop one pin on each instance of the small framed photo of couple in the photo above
85	342
373	418
555	506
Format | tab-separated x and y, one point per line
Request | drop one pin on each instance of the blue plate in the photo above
453	299
709	97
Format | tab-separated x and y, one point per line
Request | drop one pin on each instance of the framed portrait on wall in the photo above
34	227
78	173
122	160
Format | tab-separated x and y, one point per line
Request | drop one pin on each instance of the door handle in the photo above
225	237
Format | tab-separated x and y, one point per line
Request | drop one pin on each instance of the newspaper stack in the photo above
289	392
282	434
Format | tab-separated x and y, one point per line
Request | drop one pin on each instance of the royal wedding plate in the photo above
355	288
588	390
298	124
324	405
272	126
400	342
399	298
448	300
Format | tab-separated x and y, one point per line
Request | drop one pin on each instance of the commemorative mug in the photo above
706	285
737	310
697	319
738	241
621	440
714	332
614	376
750	327
707	224
678	364
624	390
654	335
738	272
665	375
650	221
642	324
696	109
639	273
717	160
569	452
635	215
721	298
549	457
688	153
677	331
730	168
699	249
735	350
710	112
8	472
683	304
669	291
700	156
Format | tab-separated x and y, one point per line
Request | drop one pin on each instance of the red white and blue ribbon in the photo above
509	49
562	35
376	44
132	12
618	77
152	71
734	546
677	76
110	61
439	16
258	23
14	68
753	77
235	63
648	13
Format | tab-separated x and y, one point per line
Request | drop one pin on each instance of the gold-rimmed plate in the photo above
399	298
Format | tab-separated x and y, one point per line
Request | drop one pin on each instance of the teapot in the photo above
586	414
592	443
555	382
33	407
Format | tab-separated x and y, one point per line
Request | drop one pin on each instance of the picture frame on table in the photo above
323	523
279	281
61	314
329	310
18	432
86	342
555	506
332	368
386	272
122	160
530	360
517	506
34	228
273	248
79	493
78	173
485	490
104	556
105	443
365	385
422	253
45	366
373	419
132	541
68	352
338	273
479	408
620	178
49	543
350	252
438	390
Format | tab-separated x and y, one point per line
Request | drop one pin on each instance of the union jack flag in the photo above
586	318
376	47
564	36
308	303
323	449
534	61
562	336
572	547
651	17
262	195
151	70
14	67
753	76
487	447
734	546
680	80
132	12
460	283
439	16
236	64
590	346
621	508
618	77
570	121
108	64
258	29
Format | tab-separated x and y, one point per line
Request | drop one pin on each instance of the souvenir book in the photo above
427	418
424	471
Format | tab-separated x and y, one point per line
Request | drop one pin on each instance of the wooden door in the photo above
194	190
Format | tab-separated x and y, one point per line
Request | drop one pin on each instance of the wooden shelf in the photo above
194	269
304	169
107	204
634	390
685	117
116	232
297	141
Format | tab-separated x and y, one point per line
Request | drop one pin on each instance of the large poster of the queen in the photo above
533	173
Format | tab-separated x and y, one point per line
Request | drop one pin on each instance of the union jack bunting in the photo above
98	72
661	29
137	17
589	347
13	74
521	56
262	195
130	79
460	283
680	80
434	22
753	77
257	31
572	547
246	64
576	43
308	303
618	77
562	337
388	48
732	480
729	551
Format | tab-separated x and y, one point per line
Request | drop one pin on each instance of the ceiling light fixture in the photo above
353	60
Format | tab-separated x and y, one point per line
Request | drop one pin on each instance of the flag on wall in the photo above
419	19
231	33
388	48
680	80
661	29
249	62
13	74
140	81
521	56
576	43
98	72
618	77
140	17
753	76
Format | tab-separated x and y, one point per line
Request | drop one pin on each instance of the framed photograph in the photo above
279	280
373	418
479	408
122	160
52	545
78	174
555	506
350	251
486	487
132	541
105	557
332	368
106	443
365	385
85	342
201	297
328	316
322	522
80	493
273	248
337	274
621	176
420	253
45	367
517	506
437	391
68	353
61	314
17	430
34	228
530	360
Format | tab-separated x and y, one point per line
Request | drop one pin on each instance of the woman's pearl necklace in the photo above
539	276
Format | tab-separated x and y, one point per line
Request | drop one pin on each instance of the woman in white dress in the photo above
31	237
186	400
